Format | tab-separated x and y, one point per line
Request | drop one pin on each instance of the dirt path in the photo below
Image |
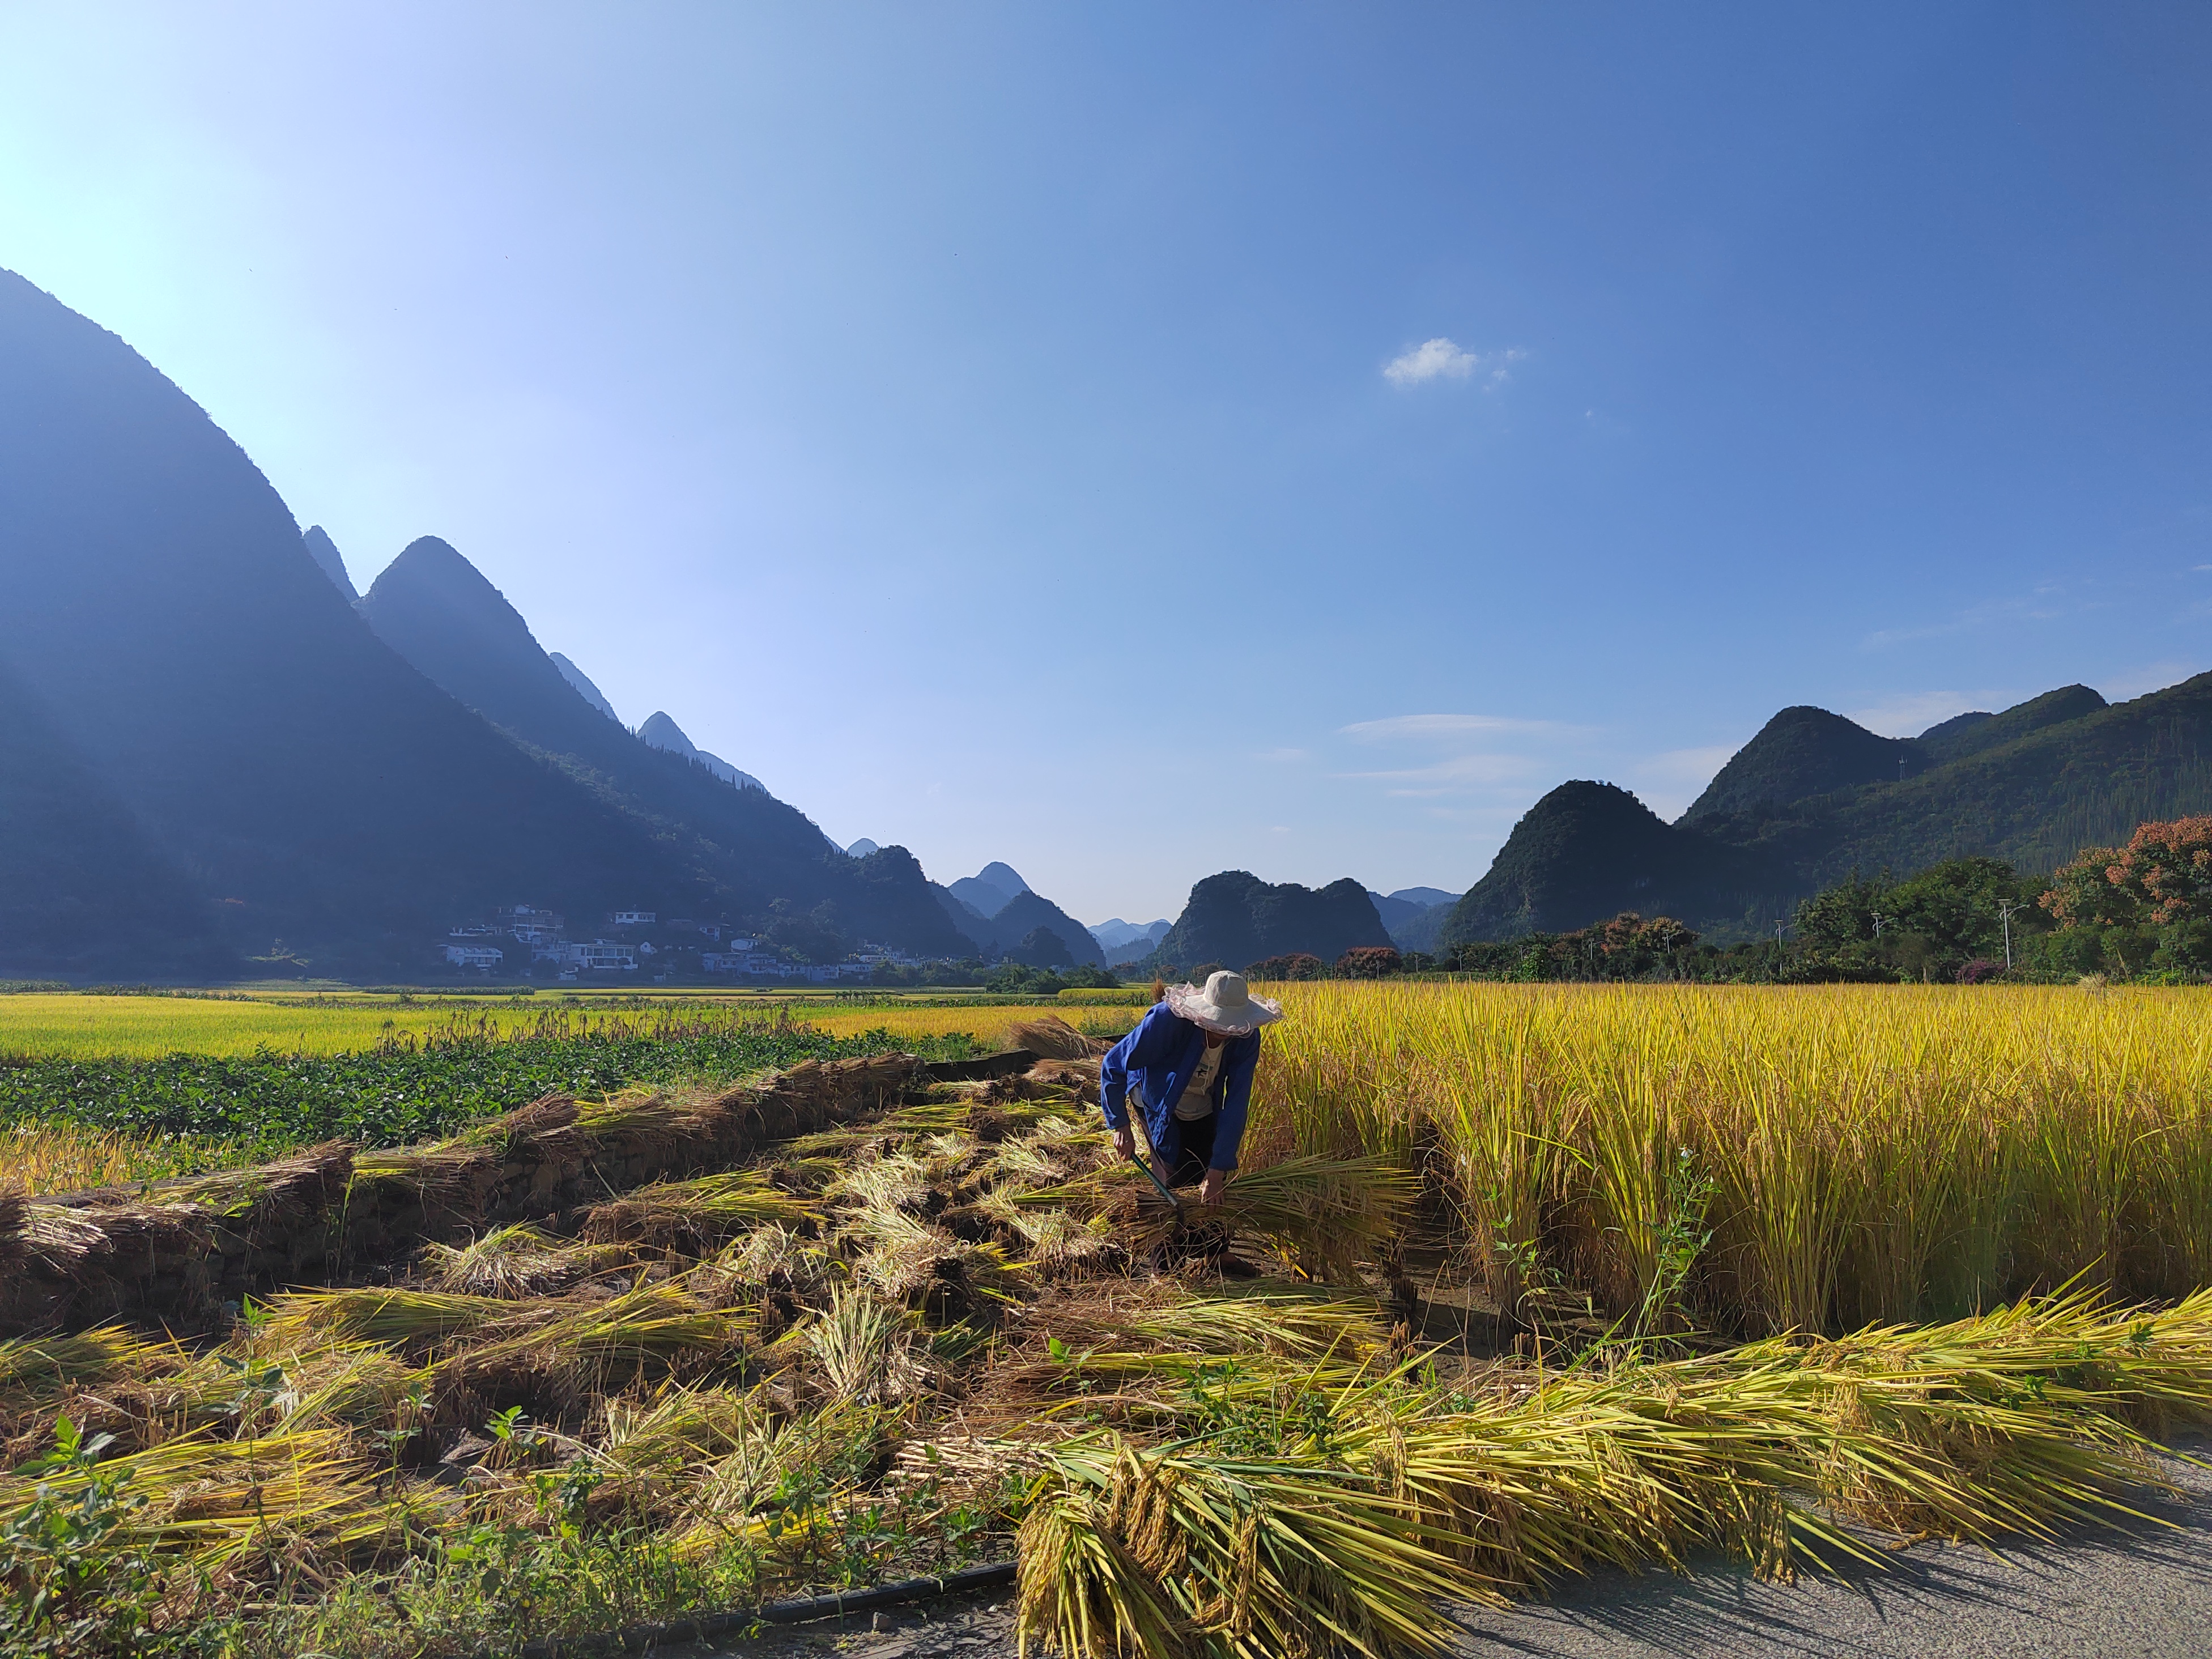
2145	1594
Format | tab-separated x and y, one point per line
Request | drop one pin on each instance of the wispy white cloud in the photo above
2045	603
2151	676
1908	713
1453	776
1447	726
1668	782
1441	359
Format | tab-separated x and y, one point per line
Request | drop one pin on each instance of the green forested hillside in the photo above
2032	801
1800	751
2031	786
1954	740
1234	919
1589	850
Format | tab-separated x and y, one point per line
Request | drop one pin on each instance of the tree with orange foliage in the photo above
2157	889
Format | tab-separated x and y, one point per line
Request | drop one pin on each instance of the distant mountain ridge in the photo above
1413	914
210	757
990	889
1235	919
589	692
1016	913
1812	796
262	766
661	732
1122	941
437	610
324	552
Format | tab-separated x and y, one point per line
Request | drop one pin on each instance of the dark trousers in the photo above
1196	1156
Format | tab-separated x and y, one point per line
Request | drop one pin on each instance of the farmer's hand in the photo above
1125	1141
1217	1182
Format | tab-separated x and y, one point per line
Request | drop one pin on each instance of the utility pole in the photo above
1878	919
2005	907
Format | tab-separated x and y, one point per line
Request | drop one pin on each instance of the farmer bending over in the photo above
1188	1066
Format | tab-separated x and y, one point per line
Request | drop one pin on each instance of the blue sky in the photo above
981	422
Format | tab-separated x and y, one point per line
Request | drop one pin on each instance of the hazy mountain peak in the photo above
1003	877
1124	941
990	889
861	849
589	692
661	732
324	552
431	569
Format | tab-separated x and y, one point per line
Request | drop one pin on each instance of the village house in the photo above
601	956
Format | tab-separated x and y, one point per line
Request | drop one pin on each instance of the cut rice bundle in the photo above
2010	1424
509	1263
1162	1554
305	1318
695	1212
864	1350
35	1370
1053	1038
570	1351
228	1503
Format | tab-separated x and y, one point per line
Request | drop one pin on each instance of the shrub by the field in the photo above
1368	962
1296	965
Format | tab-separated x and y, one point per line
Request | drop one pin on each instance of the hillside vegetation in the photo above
1814	797
1234	917
215	767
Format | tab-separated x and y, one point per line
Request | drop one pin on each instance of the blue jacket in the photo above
1158	1058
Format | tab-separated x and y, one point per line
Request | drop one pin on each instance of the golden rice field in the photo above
1859	1154
147	1028
1807	1274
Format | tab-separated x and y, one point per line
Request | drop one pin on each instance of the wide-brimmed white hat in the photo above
1226	1005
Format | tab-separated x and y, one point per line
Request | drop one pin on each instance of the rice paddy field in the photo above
47	1024
1514	1280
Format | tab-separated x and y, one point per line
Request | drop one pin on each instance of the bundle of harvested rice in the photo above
1053	1038
517	1261
695	1212
1163	1553
2007	1423
392	1316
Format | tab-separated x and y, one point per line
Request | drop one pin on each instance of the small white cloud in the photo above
1454	775
1667	783
1425	726
1431	360
2046	602
2151	676
1908	713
